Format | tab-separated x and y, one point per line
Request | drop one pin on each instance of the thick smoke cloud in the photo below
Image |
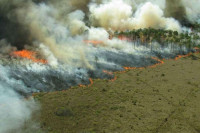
117	15
61	31
192	10
13	29
183	10
175	9
45	28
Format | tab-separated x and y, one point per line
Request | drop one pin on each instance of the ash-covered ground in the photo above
38	77
57	36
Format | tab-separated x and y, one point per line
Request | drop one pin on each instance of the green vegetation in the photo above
163	37
196	27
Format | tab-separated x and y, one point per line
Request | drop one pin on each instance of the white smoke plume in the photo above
151	16
58	31
99	34
76	24
52	60
45	28
15	111
192	9
119	16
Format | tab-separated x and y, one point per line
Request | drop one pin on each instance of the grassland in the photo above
164	99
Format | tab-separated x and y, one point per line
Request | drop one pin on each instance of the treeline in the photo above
163	37
196	27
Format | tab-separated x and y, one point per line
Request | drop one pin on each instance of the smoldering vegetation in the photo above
79	40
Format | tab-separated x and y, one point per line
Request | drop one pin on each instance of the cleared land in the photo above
164	99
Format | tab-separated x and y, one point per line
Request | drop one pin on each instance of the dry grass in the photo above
162	99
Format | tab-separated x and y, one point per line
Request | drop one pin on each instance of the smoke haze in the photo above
60	32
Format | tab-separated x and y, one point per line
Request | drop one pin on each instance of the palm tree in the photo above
175	33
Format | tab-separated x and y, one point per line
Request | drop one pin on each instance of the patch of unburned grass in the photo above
138	101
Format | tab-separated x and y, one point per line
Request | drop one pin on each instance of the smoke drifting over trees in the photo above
110	14
58	29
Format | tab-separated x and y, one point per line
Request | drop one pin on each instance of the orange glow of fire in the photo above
93	42
124	38
110	73
196	48
91	83
30	55
182	56
160	62
107	72
114	79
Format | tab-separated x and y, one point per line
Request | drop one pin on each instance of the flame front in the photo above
160	62
30	55
107	72
94	42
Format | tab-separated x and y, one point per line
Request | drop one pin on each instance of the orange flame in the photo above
93	42
160	62
28	55
114	79
91	83
124	38
107	72
110	73
182	56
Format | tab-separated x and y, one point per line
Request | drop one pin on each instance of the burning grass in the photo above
30	55
93	42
